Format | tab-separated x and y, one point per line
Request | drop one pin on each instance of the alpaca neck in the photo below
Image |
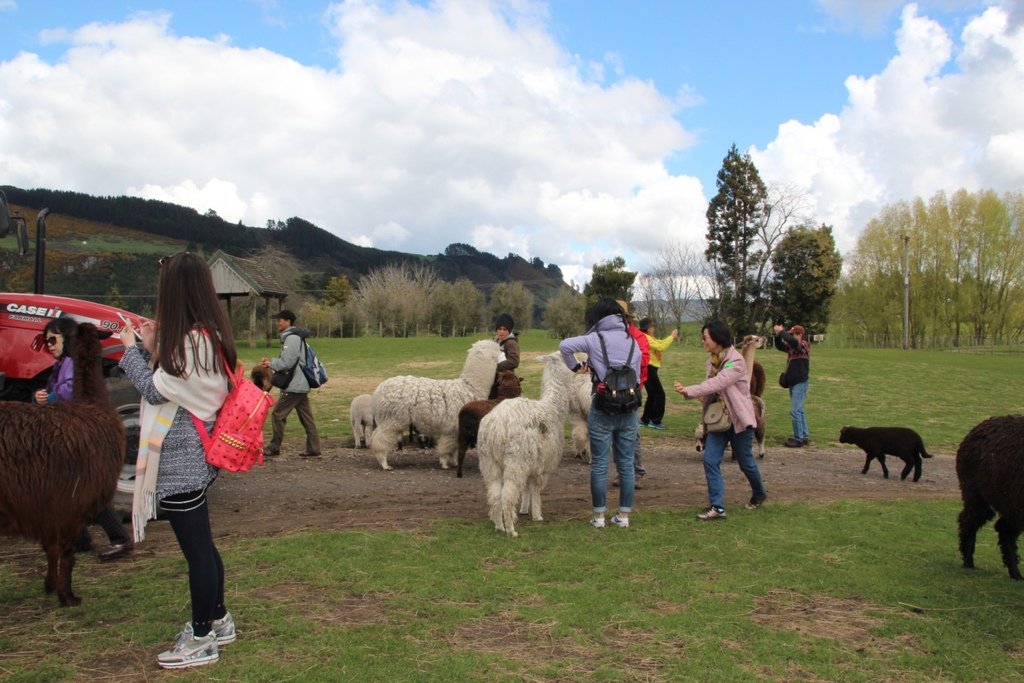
556	388
748	351
478	372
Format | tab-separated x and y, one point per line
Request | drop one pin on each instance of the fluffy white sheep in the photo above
431	405
361	416
520	444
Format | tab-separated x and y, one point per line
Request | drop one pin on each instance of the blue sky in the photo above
573	131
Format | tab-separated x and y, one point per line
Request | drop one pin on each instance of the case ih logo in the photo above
38	311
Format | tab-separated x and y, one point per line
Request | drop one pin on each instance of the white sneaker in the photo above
225	629
597	522
712	513
190	651
620	521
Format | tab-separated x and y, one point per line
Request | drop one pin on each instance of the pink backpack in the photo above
236	443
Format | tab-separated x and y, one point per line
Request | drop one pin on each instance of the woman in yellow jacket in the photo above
654	408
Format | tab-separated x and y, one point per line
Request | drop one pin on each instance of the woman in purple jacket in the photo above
726	377
58	335
607	320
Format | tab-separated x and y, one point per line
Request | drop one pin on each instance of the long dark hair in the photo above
603	308
719	333
187	300
66	327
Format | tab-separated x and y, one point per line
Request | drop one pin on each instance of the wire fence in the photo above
963	344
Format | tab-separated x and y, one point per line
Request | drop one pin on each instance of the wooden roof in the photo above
236	276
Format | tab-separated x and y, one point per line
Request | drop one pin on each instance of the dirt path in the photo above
346	488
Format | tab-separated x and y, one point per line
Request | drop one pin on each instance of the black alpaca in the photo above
879	442
990	467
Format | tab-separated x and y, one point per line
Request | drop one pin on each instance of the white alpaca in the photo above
361	416
520	444
578	411
431	405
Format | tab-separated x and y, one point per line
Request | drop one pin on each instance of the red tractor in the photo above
24	363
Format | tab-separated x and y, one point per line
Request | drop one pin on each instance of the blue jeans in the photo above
742	448
606	430
638	459
797	396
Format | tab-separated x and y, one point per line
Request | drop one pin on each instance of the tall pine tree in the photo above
733	251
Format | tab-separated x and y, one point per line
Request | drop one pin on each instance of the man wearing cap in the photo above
798	371
295	396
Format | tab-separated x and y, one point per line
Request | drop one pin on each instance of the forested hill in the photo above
322	253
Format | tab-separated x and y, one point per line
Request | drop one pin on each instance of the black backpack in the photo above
620	391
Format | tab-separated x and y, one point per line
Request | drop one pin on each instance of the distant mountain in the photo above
324	254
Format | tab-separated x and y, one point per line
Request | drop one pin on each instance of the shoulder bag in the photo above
716	416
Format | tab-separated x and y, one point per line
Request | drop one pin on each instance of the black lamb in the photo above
990	467
878	442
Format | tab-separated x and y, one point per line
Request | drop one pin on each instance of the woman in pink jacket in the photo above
726	377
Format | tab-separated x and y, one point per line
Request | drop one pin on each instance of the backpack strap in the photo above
302	353
234	378
604	351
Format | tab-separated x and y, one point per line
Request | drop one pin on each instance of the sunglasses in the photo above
50	341
165	259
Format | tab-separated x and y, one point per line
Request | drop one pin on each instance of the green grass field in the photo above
844	591
849	591
940	394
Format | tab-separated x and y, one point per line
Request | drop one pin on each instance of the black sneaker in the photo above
268	451
755	502
793	442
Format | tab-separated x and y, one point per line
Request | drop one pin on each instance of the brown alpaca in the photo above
59	464
509	386
260	376
755	371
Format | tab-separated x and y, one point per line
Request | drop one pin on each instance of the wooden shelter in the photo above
234	276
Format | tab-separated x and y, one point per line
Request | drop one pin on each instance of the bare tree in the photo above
677	287
786	207
395	298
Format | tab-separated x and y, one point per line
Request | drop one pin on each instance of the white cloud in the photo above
936	118
215	193
454	122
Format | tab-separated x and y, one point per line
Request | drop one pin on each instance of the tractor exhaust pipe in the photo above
40	251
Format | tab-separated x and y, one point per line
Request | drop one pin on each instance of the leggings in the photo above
189	516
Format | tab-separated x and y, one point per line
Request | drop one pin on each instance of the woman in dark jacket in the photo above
798	371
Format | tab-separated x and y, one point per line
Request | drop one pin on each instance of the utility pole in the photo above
906	292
